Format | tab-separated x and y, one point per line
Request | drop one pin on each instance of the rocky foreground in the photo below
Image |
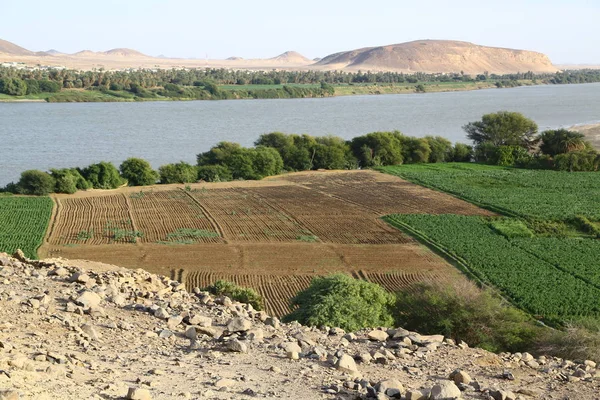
68	333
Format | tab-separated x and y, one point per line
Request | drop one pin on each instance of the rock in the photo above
224	383
238	324
417	395
291	346
378	336
459	376
90	331
209	331
161	313
200	320
391	388
237	346
138	394
165	334
527	357
190	333
80	277
502	395
34	303
589	363
118	300
173	322
9	395
275	369
272	321
256	335
88	299
293	355
445	390
346	364
529	392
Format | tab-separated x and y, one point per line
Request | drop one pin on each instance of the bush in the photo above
13	86
559	141
49	86
138	172
441	149
462	153
69	180
503	128
237	293
331	152
577	161
266	162
415	150
103	175
377	149
341	301
464	312
36	183
180	172
214	173
33	86
579	340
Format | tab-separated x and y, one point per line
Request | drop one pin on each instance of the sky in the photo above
565	30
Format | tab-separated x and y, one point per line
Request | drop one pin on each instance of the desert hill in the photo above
435	56
75	330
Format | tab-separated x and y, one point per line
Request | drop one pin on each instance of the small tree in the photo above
341	301
559	141
13	86
214	173
103	175
503	129
180	172
462	153
138	172
36	183
441	149
378	149
69	180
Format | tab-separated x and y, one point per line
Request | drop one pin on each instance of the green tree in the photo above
503	128
441	149
341	301
331	152
103	175
462	153
49	86
378	149
577	161
13	86
559	141
36	183
266	162
33	86
69	180
180	172
214	173
414	150
138	172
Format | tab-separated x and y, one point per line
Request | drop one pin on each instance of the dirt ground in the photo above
592	133
272	235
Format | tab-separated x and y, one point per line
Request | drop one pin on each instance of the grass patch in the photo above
188	236
307	238
511	228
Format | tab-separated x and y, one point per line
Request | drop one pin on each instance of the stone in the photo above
173	322
589	363
80	277
165	334
200	320
445	390
138	394
391	388
88	299
161	313
502	395
293	355
237	346
272	321
256	335
34	303
118	300
377	335
89	330
190	333
9	395
527	357
224	383
417	395
291	346
459	376
208	331
238	324
346	364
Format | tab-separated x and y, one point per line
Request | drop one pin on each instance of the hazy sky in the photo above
566	30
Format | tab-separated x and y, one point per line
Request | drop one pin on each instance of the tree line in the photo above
503	138
154	79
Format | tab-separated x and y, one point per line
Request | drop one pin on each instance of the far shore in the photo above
592	133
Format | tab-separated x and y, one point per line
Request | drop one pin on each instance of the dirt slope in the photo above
12	49
439	56
71	333
592	133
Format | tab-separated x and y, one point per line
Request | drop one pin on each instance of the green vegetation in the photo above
237	293
23	223
180	172
103	175
36	183
341	301
138	172
545	195
541	275
188	236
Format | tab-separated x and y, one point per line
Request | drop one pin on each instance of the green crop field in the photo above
23	223
549	277
540	194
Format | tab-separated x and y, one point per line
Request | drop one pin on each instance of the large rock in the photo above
238	324
459	376
138	394
347	364
417	395
378	336
237	346
88	299
391	388
9	395
445	390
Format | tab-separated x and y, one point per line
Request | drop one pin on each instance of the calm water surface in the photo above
43	136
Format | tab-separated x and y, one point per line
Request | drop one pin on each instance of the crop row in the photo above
546	284
23	223
552	195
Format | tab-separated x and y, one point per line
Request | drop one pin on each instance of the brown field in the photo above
272	235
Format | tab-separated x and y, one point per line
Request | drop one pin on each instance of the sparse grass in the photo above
188	236
85	235
307	238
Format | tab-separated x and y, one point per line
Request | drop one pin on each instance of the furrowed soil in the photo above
272	235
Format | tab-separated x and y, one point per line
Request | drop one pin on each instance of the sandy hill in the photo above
12	49
292	57
435	56
122	52
79	330
54	52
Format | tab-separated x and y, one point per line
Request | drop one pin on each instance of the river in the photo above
43	136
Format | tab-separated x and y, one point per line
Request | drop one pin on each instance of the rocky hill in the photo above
12	49
436	56
67	332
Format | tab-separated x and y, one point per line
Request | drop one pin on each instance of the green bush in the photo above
441	149
331	152
478	317
49	86
180	172
577	161
214	173
103	175
138	172
36	183
13	86
559	141
266	162
415	150
511	228
341	301
377	149
462	153
237	293
33	86
69	180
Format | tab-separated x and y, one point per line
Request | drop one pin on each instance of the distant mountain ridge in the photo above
430	56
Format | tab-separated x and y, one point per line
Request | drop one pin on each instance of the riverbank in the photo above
249	92
592	133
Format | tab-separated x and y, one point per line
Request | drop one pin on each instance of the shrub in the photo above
511	228
503	128
331	152
237	293
462	153
415	150
214	173
103	175
341	301
559	141
33	86
377	149
49	86
69	180
441	149
464	312
577	161
13	86
180	172
36	183
266	162
138	172
579	340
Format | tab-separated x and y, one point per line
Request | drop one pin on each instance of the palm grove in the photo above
504	138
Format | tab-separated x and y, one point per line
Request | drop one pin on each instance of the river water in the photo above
43	136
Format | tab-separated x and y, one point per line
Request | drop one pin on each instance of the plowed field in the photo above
272	235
